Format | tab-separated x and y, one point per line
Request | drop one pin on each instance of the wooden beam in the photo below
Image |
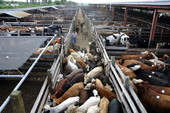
17	102
113	13
125	16
153	28
163	11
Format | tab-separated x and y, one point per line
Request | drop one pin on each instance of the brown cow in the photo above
71	92
153	100
126	71
137	57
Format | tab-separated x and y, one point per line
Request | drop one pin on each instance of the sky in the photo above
103	1
109	1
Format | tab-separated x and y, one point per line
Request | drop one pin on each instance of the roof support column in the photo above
153	28
125	16
113	13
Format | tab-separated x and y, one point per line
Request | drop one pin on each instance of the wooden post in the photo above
158	45
50	82
125	16
153	28
17	102
113	13
18	32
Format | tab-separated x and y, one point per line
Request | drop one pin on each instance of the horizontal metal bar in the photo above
126	94
25	36
11	76
25	76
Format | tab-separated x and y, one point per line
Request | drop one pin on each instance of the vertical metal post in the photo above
17	102
153	28
125	15
113	13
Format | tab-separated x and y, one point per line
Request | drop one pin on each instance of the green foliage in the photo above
63	2
59	2
50	1
23	5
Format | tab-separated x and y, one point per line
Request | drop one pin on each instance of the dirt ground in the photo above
83	35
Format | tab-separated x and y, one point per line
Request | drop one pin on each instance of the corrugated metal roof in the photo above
141	2
17	14
54	7
42	10
23	9
163	3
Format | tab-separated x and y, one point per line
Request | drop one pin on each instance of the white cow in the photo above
114	39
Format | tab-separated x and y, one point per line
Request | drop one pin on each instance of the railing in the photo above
67	41
52	74
127	103
124	90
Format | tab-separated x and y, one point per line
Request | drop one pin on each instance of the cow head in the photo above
124	39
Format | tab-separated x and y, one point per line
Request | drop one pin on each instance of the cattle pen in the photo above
54	59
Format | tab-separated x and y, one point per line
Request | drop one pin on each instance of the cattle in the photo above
49	50
59	88
126	71
159	89
104	103
70	64
71	109
92	74
126	63
165	45
116	38
83	64
137	56
84	95
142	43
90	102
99	83
153	77
71	92
62	106
78	78
73	74
93	109
115	106
152	100
102	91
53	29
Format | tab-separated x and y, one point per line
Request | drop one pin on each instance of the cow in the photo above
151	99
53	29
115	39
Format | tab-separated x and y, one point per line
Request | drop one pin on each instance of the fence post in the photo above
50	82
17	102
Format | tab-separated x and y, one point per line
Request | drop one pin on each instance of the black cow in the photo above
165	45
153	77
53	29
115	106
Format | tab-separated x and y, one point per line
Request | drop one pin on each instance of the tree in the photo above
49	1
1	1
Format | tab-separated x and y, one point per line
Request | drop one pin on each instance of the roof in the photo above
42	10
17	14
23	9
143	3
16	50
54	7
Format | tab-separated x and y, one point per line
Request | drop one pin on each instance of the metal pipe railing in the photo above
11	76
25	76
